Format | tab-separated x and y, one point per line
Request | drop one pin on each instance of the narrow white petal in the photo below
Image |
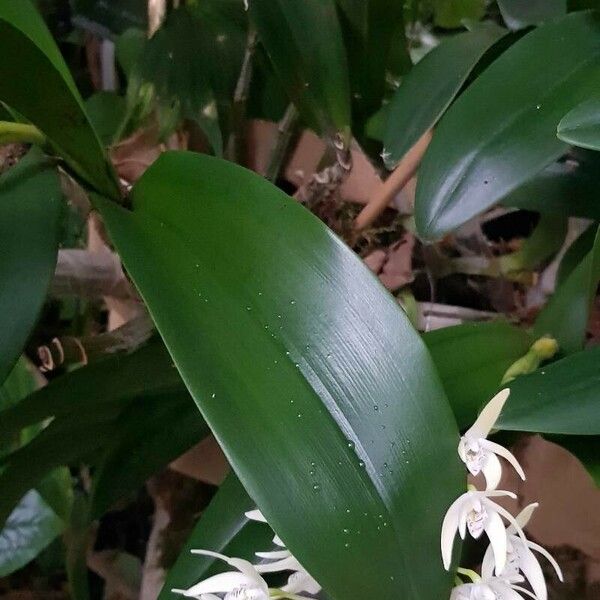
494	528
506	454
301	581
256	515
498	493
548	556
449	526
209	597
287	564
488	416
278	542
533	572
487	566
492	471
525	515
511	520
522	590
210	553
274	555
223	582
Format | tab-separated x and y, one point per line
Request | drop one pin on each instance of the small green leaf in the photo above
502	130
31	526
581	126
429	88
222	528
106	111
518	14
30	210
312	67
566	315
342	411
37	70
471	360
561	397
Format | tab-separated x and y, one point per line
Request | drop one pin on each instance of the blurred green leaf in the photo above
329	373
502	130
576	254
561	189
566	315
472	359
304	41
452	13
152	433
518	14
106	111
61	115
30	210
429	88
129	47
561	397
581	125
222	528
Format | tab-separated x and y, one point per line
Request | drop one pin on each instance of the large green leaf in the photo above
109	383
581	126
567	313
28	530
518	14
36	82
502	129
429	88
320	392
304	41
558	398
30	210
152	432
222	528
472	359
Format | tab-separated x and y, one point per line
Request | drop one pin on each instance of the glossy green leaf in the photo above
128	48
30	528
30	210
561	397
429	88
565	316
472	359
581	126
502	130
560	189
152	432
312	66
452	13
222	528
38	71
518	14
317	387
109	383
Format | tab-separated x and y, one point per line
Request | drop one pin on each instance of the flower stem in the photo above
543	349
278	594
474	577
11	133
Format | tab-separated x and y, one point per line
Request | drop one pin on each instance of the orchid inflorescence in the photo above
247	582
509	560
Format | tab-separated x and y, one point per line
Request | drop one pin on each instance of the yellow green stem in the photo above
11	133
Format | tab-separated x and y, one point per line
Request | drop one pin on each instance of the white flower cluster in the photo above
509	560
247	582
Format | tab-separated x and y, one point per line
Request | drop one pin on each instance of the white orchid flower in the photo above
494	588
476	512
481	455
283	560
520	557
244	584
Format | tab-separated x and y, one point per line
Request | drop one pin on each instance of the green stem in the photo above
11	133
278	594
285	133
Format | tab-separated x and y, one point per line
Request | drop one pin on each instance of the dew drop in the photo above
361	463
347	545
311	472
316	487
292	302
351	444
248	308
213	395
347	511
299	415
375	407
